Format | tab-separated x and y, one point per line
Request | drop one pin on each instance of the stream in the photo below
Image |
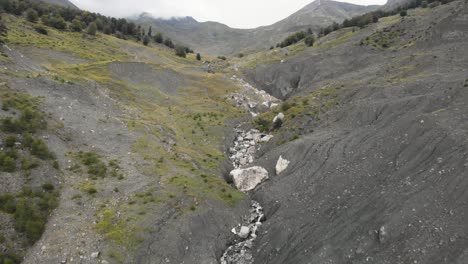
241	154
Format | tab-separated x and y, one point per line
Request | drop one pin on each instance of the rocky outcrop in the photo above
251	99
281	165
247	179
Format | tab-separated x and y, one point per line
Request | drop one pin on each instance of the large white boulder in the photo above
281	165
247	179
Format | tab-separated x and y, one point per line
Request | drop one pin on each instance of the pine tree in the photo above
150	32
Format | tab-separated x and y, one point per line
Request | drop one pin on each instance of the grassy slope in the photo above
180	135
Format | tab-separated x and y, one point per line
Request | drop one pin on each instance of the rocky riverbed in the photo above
241	154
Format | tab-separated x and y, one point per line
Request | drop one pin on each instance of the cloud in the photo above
234	13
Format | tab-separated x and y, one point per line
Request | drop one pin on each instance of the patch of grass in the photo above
116	229
337	38
382	39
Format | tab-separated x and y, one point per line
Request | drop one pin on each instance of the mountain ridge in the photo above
214	38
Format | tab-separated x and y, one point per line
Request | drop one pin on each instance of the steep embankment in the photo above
375	129
136	133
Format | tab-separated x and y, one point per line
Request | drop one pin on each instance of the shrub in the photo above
30	211
95	166
424	4
31	15
262	124
222	57
41	30
146	40
92	29
403	13
39	149
48	187
293	39
198	56
91	190
158	38
309	41
168	43
180	51
77	25
10	141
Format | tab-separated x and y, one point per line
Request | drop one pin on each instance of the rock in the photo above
281	165
244	232
278	117
266	138
95	255
273	105
383	234
247	179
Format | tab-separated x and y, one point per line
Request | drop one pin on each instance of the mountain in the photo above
218	39
353	150
65	3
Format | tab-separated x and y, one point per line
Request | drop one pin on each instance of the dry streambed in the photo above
246	178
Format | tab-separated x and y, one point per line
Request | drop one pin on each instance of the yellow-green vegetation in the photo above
179	131
312	105
100	48
117	229
30	121
30	210
382	39
338	37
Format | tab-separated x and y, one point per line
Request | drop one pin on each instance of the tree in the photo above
146	40
158	38
180	51
403	13
76	26
92	29
309	41
198	56
32	15
3	30
168	43
150	32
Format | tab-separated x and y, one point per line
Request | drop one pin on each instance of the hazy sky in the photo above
234	13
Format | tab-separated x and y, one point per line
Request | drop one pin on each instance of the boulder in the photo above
244	232
278	117
281	165
266	138
247	179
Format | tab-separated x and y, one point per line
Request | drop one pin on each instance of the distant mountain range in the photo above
218	39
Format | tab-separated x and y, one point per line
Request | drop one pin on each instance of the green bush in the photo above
32	15
30	211
10	141
39	149
93	161
262	124
48	187
9	258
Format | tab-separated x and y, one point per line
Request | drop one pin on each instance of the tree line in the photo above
358	21
75	20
